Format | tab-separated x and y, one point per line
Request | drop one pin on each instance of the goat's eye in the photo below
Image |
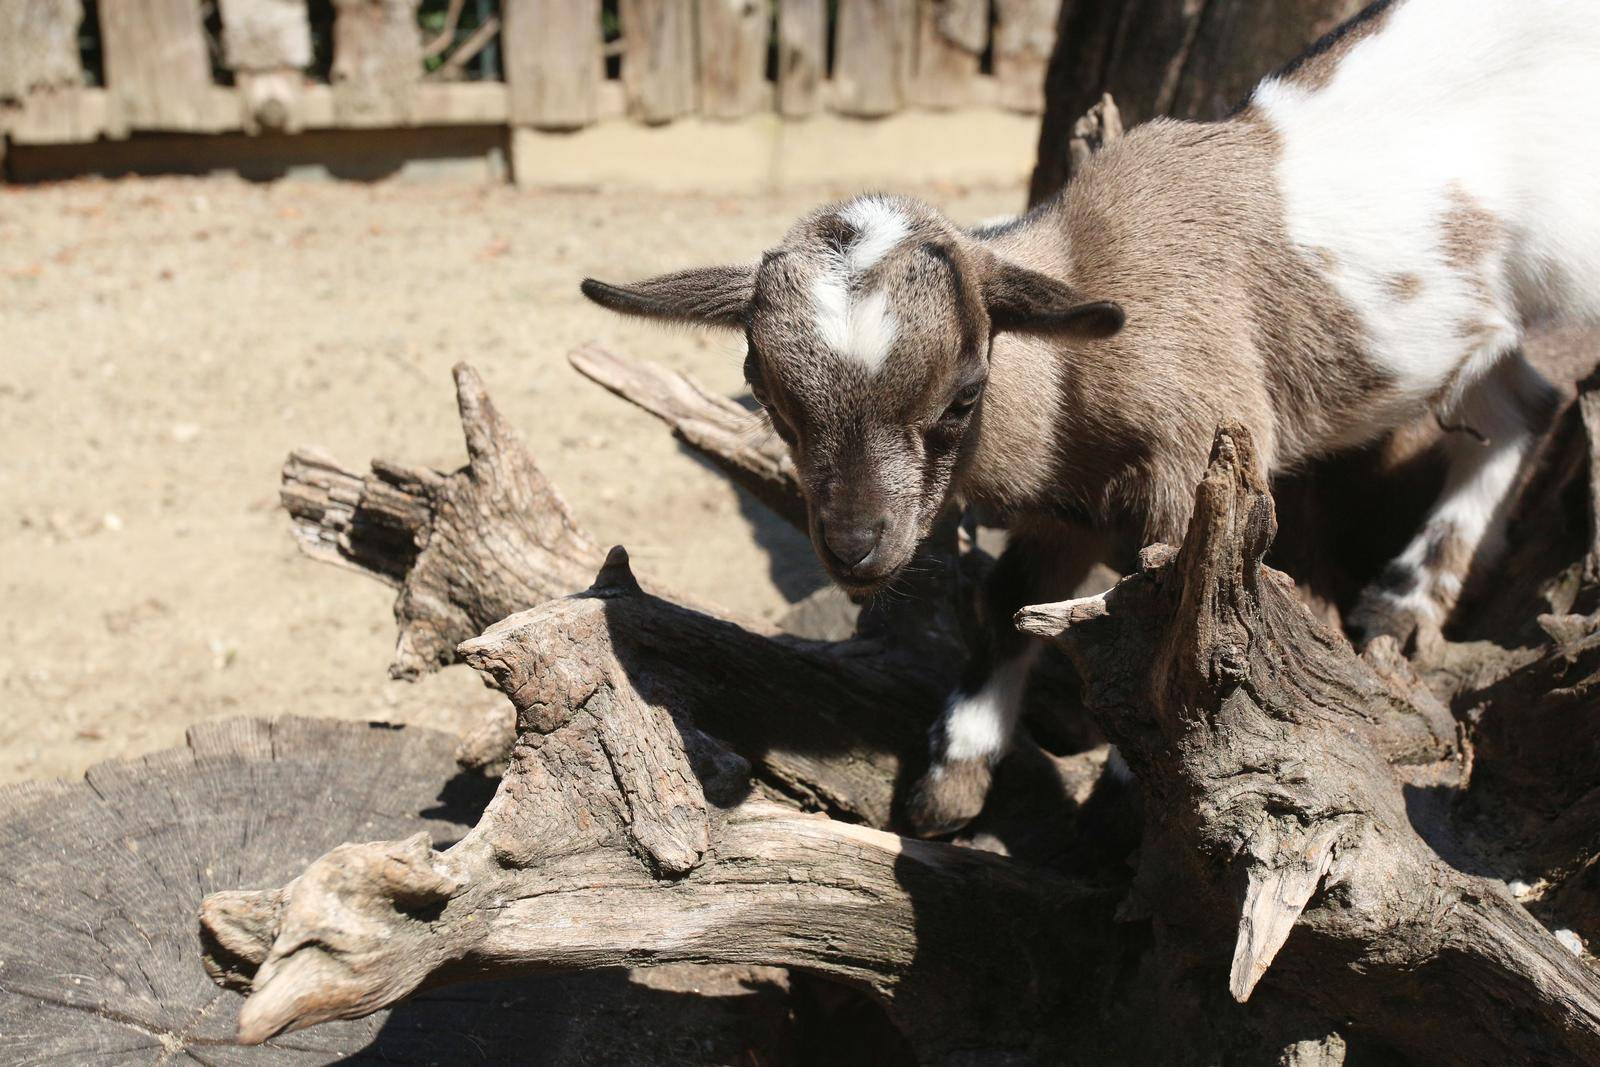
962	405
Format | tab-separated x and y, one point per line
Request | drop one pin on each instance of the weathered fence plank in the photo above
38	47
267	45
658	58
733	36
553	62
1024	35
802	55
41	77
951	35
377	61
873	48
156	65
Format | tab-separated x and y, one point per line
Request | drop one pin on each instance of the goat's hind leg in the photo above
1494	428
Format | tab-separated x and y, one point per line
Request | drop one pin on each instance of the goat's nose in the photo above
852	542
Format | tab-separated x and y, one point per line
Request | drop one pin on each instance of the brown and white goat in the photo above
1363	242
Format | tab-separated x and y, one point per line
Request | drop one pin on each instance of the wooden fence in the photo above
167	65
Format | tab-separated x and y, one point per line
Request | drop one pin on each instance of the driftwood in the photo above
623	820
1264	746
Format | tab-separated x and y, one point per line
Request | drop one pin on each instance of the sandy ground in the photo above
165	342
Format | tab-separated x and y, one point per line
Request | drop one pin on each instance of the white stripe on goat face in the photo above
859	327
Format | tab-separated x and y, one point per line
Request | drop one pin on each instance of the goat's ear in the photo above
1025	301
711	296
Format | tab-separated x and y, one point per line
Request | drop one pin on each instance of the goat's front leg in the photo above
975	731
1497	424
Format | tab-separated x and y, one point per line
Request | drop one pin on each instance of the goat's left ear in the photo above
711	296
1025	301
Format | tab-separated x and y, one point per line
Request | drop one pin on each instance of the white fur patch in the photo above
862	329
859	326
1481	100
979	725
879	226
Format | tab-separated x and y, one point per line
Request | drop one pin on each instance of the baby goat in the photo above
1362	243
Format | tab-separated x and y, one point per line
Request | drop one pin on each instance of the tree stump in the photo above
100	952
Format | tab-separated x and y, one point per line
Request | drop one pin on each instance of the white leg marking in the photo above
1469	519
979	726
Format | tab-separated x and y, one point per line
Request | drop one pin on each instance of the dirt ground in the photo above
165	342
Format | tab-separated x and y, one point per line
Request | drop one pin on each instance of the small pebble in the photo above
1571	941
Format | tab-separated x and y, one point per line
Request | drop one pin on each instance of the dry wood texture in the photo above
105	876
38	47
553	62
267	44
1261	742
948	51
622	819
1024	34
1285	861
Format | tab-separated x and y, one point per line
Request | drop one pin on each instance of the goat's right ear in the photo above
710	296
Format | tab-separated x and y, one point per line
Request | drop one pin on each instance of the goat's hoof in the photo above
1411	619
948	797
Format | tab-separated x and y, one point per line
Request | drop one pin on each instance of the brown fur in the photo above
1224	321
1470	233
1405	287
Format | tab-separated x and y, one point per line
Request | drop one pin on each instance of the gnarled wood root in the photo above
1261	741
623	835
